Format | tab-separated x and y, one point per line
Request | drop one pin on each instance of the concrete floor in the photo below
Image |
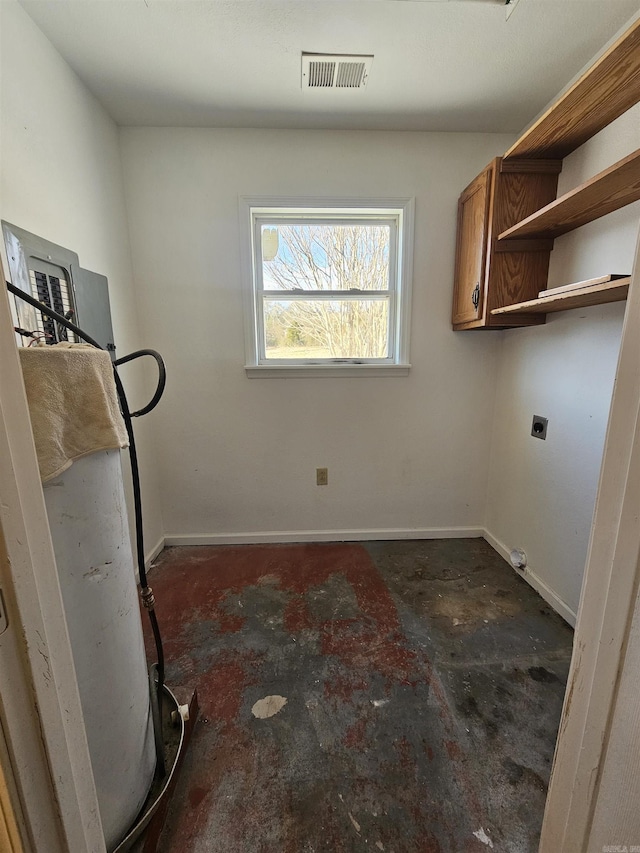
423	683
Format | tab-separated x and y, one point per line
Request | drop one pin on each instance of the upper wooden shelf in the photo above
616	187
605	91
611	291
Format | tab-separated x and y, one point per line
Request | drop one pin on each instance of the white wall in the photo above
62	179
238	455
541	494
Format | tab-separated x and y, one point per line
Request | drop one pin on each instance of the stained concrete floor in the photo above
423	682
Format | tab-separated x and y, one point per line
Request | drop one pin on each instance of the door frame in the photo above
12	826
607	605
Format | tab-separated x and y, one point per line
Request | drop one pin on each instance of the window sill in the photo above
337	371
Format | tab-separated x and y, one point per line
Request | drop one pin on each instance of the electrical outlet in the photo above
322	476
539	427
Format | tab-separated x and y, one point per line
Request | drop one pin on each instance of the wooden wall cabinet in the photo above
471	248
509	216
489	274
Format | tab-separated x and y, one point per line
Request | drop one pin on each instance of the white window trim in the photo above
399	366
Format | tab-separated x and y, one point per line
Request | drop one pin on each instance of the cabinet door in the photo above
471	249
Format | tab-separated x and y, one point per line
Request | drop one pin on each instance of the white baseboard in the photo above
149	556
267	537
560	606
367	535
153	553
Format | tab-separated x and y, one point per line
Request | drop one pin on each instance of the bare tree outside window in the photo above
317	258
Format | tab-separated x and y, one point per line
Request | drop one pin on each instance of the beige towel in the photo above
73	404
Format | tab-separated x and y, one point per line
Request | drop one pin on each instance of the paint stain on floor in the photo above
408	697
268	707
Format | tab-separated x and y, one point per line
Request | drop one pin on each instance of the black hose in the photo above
155	692
127	415
162	378
26	297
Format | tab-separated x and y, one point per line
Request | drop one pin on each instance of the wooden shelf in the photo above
502	252
612	291
612	189
608	89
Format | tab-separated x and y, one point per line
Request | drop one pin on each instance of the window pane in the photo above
325	257
326	328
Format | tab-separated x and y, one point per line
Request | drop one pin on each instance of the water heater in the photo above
90	533
91	540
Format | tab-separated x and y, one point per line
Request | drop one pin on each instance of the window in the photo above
328	286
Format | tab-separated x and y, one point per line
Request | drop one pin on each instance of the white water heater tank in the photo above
88	521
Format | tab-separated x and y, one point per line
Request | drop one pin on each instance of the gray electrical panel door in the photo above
92	304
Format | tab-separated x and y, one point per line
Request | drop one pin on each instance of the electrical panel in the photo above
53	275
54	291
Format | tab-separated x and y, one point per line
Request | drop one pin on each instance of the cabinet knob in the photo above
475	296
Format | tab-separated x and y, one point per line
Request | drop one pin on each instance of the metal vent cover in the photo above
335	71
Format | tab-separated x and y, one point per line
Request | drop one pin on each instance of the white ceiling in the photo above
455	65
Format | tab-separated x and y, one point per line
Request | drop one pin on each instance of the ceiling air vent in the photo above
335	71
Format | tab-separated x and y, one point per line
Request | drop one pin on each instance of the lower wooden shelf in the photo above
611	291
